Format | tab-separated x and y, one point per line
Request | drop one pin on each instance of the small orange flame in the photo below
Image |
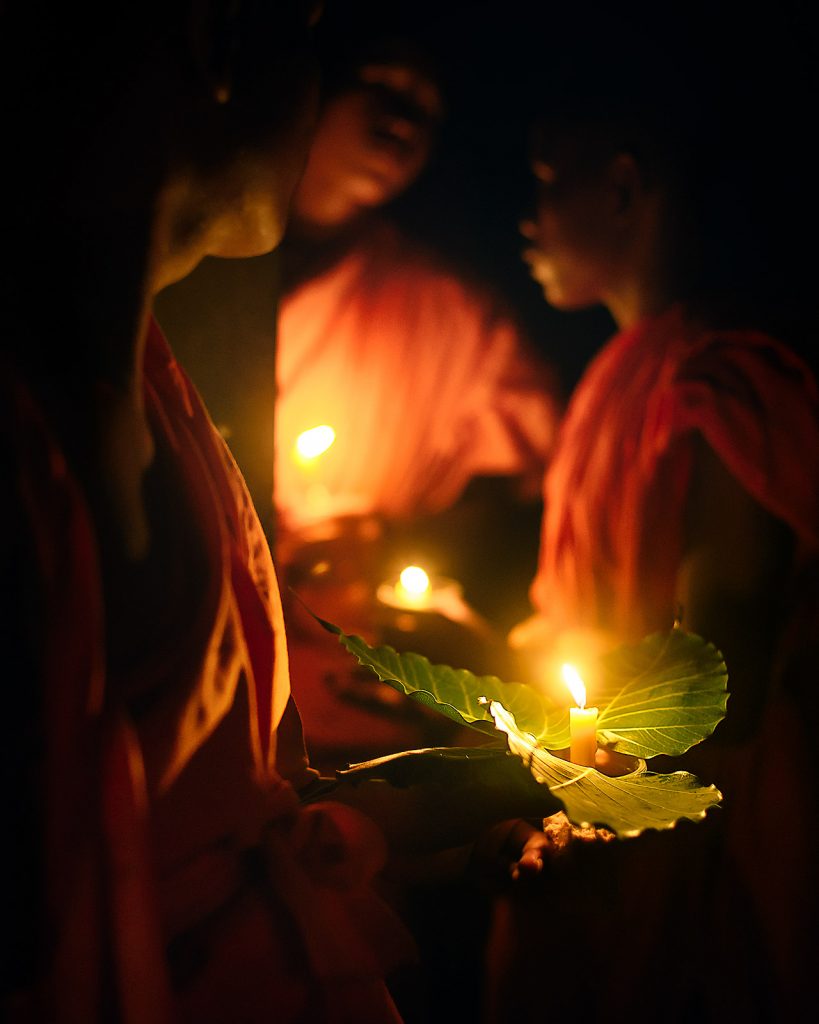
314	442
572	679
414	580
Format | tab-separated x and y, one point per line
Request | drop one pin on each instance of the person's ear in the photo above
214	31
213	39
626	184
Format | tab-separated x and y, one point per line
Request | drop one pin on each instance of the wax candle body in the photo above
583	733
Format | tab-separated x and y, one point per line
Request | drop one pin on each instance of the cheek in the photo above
341	135
573	269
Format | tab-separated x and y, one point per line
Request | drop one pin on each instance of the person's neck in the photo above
654	266
631	305
309	249
319	233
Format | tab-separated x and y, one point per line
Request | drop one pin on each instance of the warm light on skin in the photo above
314	442
414	580
572	679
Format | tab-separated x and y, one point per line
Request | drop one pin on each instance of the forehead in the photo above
559	145
413	85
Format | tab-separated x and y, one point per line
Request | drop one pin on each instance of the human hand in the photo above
519	850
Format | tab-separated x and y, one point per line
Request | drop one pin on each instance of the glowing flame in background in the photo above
572	679
414	580
314	442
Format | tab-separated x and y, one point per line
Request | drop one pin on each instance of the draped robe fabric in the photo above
615	491
713	921
183	880
425	384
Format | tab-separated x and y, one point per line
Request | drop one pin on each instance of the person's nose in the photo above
528	229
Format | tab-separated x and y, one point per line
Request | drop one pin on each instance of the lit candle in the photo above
582	721
415	591
413	586
312	443
314	500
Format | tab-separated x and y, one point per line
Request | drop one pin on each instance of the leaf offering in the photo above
626	804
660	696
458	693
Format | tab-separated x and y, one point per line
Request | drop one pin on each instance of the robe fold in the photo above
714	921
183	880
425	383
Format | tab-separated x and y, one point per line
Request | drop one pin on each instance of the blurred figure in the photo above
424	382
165	862
411	383
677	489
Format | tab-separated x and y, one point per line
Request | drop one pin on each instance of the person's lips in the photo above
539	266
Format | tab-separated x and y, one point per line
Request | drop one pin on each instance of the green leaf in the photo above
626	804
457	693
660	696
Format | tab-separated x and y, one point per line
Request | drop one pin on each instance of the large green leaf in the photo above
457	693
626	804
660	696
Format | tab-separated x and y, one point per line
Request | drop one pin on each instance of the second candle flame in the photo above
414	580
314	442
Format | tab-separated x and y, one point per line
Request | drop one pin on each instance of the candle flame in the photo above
572	679
314	442
414	580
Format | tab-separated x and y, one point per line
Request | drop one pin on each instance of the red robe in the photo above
713	921
615	491
425	384
182	878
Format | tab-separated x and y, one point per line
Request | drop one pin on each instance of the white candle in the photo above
582	721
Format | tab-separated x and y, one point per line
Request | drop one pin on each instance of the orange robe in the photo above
714	921
182	878
424	383
615	491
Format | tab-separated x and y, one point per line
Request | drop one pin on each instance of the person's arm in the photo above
730	584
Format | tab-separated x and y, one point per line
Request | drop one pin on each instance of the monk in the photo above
442	415
166	865
427	383
684	487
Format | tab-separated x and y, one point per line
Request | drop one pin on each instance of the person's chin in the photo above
559	296
566	302
254	237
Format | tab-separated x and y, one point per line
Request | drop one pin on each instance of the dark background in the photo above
746	77
752	70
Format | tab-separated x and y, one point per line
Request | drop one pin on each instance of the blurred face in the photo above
232	197
371	143
576	233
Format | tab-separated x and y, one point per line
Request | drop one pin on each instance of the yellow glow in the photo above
314	442
414	580
572	679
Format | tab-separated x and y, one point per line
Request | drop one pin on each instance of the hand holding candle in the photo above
582	721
